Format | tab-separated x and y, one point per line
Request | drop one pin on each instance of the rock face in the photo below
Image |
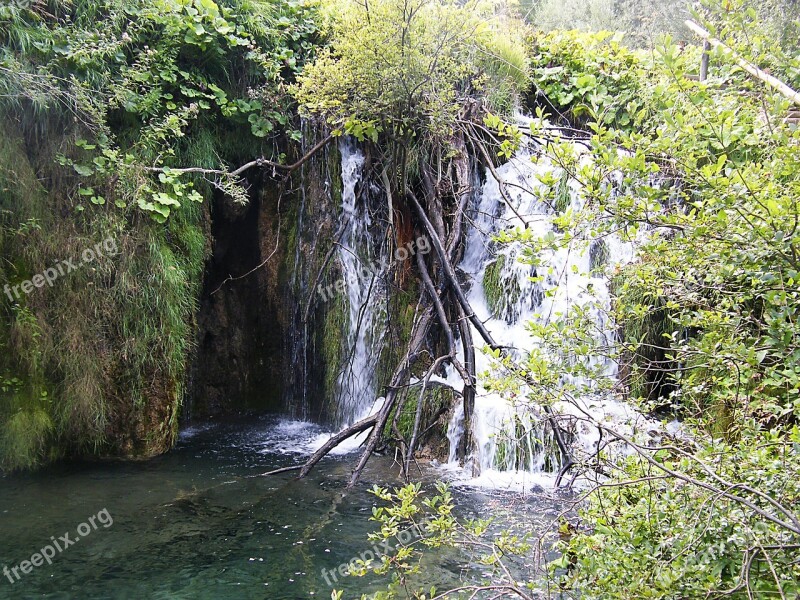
237	365
222	309
96	363
209	313
261	330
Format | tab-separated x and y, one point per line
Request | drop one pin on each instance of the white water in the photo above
363	270
513	448
363	276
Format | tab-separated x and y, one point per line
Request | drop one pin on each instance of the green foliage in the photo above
704	175
410	523
509	136
641	22
104	105
407	69
659	537
591	76
766	31
141	77
24	438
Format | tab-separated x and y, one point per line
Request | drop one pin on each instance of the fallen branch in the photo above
281	470
335	440
770	80
418	334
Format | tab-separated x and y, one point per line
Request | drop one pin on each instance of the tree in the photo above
705	178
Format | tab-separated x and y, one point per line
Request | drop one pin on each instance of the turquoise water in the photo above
197	524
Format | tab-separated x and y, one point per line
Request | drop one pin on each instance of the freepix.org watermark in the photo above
376	553
402	253
57	546
107	247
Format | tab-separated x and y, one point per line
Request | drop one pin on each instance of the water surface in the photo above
196	523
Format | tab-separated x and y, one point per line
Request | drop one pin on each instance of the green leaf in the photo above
84	170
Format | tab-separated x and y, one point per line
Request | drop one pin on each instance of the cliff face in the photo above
205	315
261	338
214	312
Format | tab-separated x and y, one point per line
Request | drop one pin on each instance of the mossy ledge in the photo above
96	363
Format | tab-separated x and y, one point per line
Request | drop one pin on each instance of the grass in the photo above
101	355
502	290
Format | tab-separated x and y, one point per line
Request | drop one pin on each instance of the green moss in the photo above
437	399
492	288
333	342
563	194
401	308
647	330
102	354
598	255
502	293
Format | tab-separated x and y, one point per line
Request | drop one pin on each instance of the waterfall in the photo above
363	271
512	443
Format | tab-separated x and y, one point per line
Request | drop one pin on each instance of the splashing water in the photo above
513	447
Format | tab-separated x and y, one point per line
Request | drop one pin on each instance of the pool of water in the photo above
199	523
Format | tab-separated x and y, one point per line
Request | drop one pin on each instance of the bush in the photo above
588	76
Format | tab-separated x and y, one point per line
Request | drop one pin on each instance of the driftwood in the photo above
759	74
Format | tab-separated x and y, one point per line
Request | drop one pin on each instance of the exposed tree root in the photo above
442	301
568	461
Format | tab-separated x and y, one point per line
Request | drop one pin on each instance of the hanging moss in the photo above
333	342
101	355
598	255
502	293
492	286
401	309
563	194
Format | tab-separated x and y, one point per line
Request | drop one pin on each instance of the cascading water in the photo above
512	444
362	273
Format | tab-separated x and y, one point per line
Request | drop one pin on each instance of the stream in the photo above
196	523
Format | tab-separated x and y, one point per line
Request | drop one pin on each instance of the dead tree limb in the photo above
451	356
412	444
418	335
335	440
258	162
469	388
753	70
